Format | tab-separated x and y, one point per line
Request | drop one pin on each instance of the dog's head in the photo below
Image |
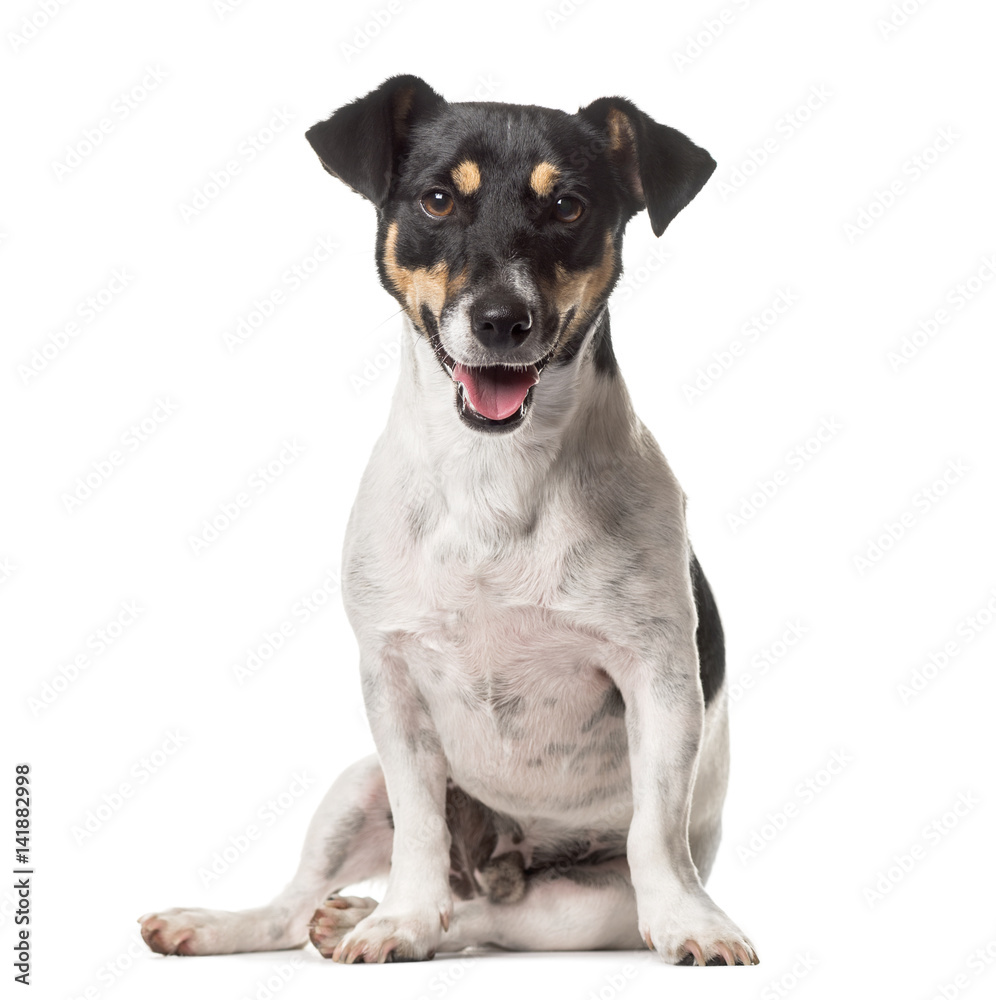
500	225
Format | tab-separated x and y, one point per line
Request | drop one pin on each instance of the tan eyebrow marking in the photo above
543	177
466	176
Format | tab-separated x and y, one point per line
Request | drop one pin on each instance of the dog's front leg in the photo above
664	720
417	904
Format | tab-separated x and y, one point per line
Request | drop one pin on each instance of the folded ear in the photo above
662	169
361	143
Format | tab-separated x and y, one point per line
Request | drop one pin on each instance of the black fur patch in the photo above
602	355
708	635
473	838
612	706
504	877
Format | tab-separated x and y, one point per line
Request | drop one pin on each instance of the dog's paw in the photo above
699	934
391	937
335	918
188	931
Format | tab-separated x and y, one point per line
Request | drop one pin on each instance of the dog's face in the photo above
500	225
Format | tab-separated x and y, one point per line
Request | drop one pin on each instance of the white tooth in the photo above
465	403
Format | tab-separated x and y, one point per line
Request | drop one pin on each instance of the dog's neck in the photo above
581	422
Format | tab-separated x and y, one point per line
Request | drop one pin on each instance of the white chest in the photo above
529	720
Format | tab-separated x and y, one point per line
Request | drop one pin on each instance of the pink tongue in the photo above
496	393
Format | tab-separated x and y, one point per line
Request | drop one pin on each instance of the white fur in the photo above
499	585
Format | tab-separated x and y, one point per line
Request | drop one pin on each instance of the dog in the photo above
541	656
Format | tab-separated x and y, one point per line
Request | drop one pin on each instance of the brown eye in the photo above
438	204
568	209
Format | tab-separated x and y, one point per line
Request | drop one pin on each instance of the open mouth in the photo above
495	397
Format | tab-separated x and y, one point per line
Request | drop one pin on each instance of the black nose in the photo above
501	323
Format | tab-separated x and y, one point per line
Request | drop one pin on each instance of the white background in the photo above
802	891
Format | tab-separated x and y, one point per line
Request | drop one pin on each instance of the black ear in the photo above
662	169
361	143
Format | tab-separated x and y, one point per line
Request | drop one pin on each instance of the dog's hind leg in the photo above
579	907
582	907
348	840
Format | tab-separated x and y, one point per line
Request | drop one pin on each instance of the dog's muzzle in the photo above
496	395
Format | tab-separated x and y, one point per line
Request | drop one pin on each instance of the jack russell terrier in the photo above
541	655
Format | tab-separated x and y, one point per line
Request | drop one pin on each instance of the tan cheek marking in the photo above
582	289
543	178
400	277
466	176
429	285
455	284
